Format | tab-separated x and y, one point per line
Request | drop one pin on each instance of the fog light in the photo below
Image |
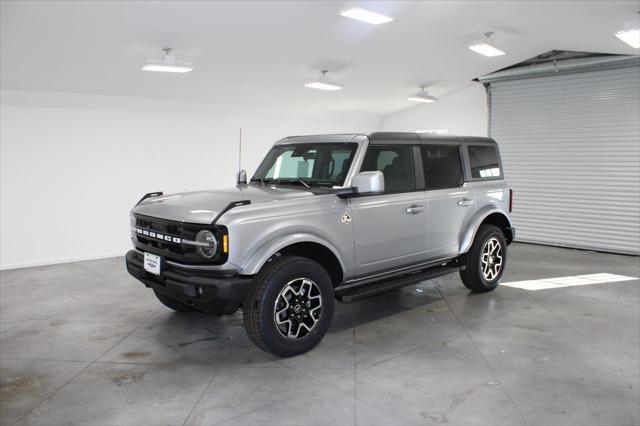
207	244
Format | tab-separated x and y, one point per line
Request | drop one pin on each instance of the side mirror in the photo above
241	178
364	183
368	182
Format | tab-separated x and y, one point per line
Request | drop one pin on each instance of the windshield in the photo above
307	164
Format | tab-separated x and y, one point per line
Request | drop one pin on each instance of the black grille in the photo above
178	252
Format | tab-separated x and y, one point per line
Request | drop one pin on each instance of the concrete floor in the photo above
85	343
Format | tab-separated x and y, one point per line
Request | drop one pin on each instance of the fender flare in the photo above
263	253
472	228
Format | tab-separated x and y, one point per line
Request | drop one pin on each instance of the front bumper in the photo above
204	290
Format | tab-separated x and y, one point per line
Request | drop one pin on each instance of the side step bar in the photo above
368	289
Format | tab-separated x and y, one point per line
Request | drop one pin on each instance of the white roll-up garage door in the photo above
570	145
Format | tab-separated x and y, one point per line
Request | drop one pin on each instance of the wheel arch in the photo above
490	215
304	245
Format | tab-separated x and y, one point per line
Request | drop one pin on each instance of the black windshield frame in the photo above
322	173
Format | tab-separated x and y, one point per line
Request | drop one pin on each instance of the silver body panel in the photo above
384	231
203	206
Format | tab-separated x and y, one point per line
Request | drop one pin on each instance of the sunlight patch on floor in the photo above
571	281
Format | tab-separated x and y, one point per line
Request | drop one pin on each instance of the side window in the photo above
442	166
396	163
483	160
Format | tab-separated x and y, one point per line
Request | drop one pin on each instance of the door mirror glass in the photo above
368	183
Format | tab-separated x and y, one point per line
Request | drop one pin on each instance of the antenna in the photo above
242	174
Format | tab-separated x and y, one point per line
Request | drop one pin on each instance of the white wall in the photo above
462	113
73	165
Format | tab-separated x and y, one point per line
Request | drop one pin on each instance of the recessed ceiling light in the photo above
631	37
365	15
323	83
422	96
167	63
485	48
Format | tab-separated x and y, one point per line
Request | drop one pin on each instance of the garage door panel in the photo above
570	146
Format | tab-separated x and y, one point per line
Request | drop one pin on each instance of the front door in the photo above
391	228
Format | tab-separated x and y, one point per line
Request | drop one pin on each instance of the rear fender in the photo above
466	239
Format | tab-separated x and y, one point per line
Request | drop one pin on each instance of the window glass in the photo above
484	161
442	166
322	164
287	166
339	164
395	163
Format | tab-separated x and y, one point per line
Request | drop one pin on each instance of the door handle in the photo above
414	209
465	202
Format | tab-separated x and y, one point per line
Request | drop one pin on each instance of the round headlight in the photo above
207	244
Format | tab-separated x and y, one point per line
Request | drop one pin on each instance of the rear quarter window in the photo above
484	162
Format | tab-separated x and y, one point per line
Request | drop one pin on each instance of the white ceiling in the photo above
258	54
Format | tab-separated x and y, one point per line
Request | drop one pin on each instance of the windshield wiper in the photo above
306	185
288	181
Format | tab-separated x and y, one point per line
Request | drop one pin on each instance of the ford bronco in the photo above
325	218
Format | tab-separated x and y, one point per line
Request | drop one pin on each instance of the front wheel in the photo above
484	263
289	306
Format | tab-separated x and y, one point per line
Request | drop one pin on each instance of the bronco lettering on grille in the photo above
158	236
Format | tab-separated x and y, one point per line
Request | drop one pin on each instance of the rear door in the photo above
390	228
451	202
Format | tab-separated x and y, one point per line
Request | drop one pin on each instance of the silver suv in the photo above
326	217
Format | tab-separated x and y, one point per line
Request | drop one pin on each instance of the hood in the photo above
204	206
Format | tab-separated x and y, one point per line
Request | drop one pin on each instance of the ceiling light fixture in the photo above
365	15
167	63
630	36
434	131
422	96
483	47
323	83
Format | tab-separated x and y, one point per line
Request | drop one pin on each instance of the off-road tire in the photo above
173	304
472	274
260	304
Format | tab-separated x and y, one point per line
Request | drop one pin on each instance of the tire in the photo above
291	290
483	274
173	304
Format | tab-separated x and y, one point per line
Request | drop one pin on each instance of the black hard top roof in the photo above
417	138
386	138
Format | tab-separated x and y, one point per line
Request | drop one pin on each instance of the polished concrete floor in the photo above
86	344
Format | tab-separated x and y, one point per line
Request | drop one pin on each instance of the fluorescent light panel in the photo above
434	131
167	68
560	282
486	49
365	15
322	86
424	99
631	37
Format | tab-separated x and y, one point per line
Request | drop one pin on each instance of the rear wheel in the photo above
289	306
173	304
485	261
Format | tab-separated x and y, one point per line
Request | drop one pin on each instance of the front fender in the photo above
263	253
467	236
